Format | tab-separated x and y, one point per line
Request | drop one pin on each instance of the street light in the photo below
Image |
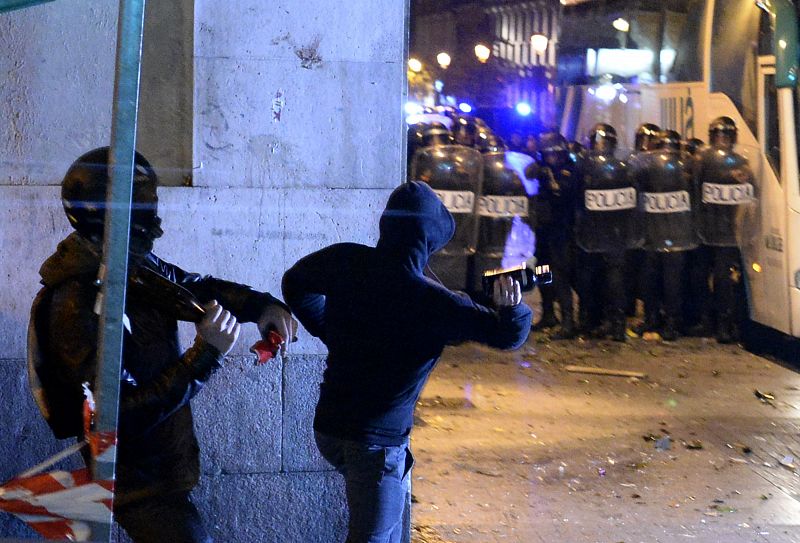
539	43
414	65
443	59
483	53
621	24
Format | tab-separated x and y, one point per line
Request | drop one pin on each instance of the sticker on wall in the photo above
277	106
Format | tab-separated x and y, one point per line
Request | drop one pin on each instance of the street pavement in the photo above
512	447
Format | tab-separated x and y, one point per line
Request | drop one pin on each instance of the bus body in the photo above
755	86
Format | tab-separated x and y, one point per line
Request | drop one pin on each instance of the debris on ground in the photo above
440	402
788	462
765	397
605	371
651	336
426	534
664	443
693	445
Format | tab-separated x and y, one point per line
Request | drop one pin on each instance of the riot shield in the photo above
455	173
727	191
607	216
505	236
666	201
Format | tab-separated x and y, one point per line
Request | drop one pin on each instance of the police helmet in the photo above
436	134
647	137
488	142
669	140
551	143
692	145
722	132
603	138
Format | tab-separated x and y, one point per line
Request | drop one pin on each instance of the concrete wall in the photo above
296	133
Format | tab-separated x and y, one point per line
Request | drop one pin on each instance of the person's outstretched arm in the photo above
244	302
506	327
72	331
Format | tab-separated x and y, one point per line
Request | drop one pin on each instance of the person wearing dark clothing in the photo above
385	325
727	193
665	180
157	453
559	180
606	227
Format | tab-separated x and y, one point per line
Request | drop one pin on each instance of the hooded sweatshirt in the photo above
385	324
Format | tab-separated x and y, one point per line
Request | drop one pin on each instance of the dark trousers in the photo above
601	288
172	518
697	275
636	279
729	294
664	287
557	250
723	305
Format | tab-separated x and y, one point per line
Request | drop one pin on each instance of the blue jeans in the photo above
378	487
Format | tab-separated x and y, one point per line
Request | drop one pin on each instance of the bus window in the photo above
684	32
733	54
772	142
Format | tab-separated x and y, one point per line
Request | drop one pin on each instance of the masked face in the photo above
722	140
145	222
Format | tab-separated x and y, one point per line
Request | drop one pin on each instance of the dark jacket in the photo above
384	323
557	198
157	450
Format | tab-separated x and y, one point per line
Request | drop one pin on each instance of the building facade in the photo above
519	69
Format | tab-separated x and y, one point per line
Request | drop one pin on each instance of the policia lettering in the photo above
610	199
457	201
666	202
503	206
714	193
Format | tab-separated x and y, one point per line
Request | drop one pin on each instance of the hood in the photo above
414	225
75	256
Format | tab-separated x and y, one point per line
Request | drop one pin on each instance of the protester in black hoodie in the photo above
158	454
385	325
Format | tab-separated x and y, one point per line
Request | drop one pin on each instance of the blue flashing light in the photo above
524	109
465	107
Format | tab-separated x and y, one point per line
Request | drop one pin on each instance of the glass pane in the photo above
772	140
733	55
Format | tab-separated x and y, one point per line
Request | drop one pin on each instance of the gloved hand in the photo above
507	292
218	328
276	318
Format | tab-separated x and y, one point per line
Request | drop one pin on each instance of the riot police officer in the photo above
605	228
726	191
645	140
489	142
665	200
422	134
559	179
455	172
466	129
698	263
